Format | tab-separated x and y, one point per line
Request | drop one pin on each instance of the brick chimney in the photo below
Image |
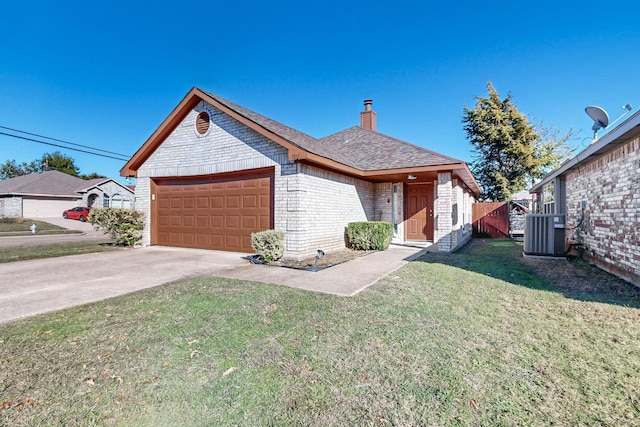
368	116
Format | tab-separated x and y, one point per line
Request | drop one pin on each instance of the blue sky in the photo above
105	74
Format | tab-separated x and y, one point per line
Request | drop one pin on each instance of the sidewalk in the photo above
38	286
345	279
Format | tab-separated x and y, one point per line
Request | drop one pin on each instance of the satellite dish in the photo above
600	119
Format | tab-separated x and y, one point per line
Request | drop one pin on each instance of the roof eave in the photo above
65	196
595	149
461	169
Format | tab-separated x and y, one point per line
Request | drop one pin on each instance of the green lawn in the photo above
473	338
31	251
22	226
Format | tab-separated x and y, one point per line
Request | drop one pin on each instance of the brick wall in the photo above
11	207
609	226
320	204
442	213
452	210
143	204
228	146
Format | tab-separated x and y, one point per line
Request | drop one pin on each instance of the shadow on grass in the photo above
502	259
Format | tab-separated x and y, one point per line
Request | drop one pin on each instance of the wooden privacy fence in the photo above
491	220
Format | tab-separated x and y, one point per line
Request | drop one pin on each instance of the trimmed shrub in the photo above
124	225
269	244
370	235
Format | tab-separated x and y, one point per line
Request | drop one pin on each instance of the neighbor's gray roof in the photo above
364	149
50	183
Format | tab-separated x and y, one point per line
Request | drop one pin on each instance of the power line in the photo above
60	140
123	158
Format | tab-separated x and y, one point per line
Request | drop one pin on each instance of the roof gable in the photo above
98	182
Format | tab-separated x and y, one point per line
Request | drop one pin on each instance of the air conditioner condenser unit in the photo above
544	234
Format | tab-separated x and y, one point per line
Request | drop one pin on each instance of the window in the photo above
548	198
105	200
116	201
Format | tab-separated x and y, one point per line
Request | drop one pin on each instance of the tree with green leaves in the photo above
92	175
509	152
60	162
48	161
11	169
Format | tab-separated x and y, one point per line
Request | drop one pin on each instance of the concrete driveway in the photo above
38	286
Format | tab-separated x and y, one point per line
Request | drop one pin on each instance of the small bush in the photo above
124	225
269	244
369	236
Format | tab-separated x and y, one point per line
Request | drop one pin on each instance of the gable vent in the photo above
202	123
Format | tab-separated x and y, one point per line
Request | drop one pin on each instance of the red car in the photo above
80	213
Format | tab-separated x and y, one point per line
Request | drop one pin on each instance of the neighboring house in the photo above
214	172
48	194
107	193
599	191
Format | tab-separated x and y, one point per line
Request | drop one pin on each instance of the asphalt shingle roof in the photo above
355	147
51	183
369	151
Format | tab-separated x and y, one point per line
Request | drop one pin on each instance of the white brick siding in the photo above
452	199
320	204
442	212
11	207
610	230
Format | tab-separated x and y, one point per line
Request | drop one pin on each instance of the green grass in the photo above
22	226
474	338
49	250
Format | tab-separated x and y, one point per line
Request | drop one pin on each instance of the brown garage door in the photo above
216	212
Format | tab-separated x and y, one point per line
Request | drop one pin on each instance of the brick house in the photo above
214	171
599	191
48	194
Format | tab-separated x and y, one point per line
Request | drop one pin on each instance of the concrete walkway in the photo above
38	286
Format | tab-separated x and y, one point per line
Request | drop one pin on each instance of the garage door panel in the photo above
202	221
175	220
188	221
217	202
265	223
250	201
213	215
233	221
188	203
233	241
217	221
250	222
175	203
232	202
202	202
